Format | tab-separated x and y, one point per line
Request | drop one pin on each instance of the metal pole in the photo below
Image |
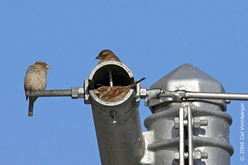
200	101
117	123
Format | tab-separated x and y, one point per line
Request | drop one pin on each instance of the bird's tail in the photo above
136	82
31	106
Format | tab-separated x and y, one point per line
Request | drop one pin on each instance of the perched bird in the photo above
114	93
107	55
35	80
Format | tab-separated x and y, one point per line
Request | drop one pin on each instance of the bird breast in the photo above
35	79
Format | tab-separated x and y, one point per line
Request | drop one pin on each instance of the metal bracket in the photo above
190	123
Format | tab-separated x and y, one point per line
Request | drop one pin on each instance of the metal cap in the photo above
190	78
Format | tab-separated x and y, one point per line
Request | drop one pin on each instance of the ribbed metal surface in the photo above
194	131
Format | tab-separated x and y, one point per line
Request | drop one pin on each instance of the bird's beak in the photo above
48	67
97	57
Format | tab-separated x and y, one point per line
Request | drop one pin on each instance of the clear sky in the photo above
151	37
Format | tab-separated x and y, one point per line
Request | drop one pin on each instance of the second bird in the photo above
107	55
35	80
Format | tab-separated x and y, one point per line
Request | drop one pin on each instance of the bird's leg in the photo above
110	78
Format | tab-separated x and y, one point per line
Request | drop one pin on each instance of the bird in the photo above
114	93
107	55
35	80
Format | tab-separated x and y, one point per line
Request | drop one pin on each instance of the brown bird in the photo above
107	55
35	80
114	93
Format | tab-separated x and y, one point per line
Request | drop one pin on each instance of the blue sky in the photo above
151	37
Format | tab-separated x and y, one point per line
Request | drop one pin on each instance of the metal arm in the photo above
180	95
75	93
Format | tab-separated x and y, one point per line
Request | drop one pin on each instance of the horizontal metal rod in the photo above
182	95
76	92
224	96
50	93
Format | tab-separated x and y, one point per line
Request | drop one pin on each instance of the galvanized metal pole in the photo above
117	124
187	127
